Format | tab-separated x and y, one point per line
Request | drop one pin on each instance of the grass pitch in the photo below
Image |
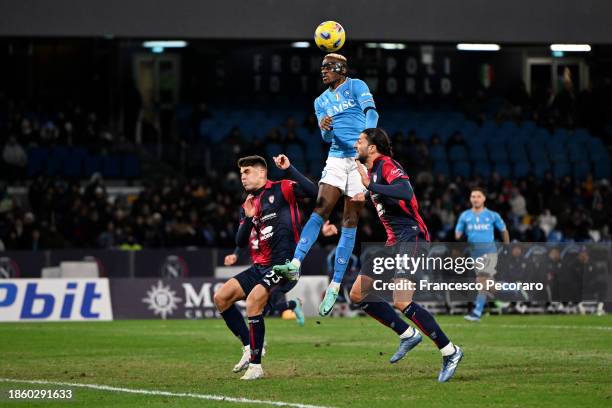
510	361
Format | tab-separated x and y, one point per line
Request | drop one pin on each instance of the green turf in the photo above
510	361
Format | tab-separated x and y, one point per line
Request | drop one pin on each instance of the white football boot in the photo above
243	364
254	372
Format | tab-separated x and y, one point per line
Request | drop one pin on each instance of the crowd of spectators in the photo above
200	208
23	126
203	212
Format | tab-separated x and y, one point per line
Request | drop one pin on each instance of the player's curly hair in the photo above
379	138
256	161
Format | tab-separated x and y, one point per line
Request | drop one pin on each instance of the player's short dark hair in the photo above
379	138
255	161
479	189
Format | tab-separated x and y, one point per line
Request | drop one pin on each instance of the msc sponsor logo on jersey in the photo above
341	107
479	227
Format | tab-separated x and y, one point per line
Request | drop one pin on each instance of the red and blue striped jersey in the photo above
276	224
400	218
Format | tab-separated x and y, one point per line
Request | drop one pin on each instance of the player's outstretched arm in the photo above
399	189
306	188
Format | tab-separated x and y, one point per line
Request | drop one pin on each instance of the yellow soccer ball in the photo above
329	36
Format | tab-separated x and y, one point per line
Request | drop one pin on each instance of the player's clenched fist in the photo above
282	161
230	259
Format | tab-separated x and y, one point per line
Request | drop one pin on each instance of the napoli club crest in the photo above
271	199
346	93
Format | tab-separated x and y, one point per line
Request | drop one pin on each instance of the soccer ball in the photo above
329	36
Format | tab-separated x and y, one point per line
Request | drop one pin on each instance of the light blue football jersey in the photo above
346	107
479	228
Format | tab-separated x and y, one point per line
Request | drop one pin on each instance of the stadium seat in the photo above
581	170
521	169
560	136
315	168
462	168
111	166
478	153
597	150
482	168
441	167
536	152
602	169
503	169
556	151
580	135
577	152
540	168
55	161
130	166
36	161
498	153
541	136
457	153
561	169
437	153
273	149
517	152
91	165
295	152
314	151
528	126
74	162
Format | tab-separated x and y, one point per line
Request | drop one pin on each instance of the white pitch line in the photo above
529	326
165	393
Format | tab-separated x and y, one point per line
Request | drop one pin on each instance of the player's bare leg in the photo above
225	298
256	302
326	200
230	293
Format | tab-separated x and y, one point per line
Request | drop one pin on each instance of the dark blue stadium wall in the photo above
522	21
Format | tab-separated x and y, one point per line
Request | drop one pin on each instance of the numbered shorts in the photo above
265	276
341	172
